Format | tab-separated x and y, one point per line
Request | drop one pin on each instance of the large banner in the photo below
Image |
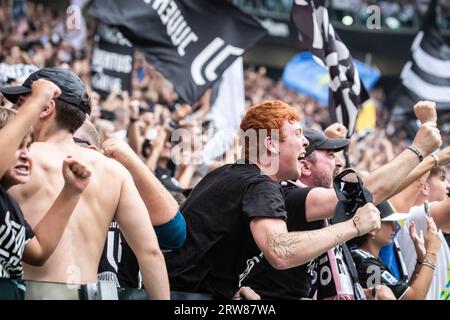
112	61
318	36
426	76
191	42
15	72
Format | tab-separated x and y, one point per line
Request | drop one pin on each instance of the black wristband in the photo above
417	152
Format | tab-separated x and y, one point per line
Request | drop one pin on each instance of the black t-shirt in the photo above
294	283
118	262
14	234
372	271
219	241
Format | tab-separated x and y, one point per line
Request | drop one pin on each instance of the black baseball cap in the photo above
387	213
319	141
72	88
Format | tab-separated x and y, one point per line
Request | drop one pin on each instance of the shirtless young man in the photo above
110	194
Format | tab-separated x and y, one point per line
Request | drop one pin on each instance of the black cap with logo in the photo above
72	88
319	141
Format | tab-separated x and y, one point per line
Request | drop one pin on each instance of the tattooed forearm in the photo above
311	234
305	244
338	239
283	244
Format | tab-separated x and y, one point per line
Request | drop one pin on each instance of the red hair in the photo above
268	116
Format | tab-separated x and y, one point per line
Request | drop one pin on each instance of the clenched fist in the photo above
76	174
119	150
367	219
336	131
425	111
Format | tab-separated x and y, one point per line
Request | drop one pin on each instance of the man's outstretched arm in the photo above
138	231
284	249
169	223
161	206
384	181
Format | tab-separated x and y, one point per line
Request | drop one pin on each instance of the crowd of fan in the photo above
394	14
42	44
143	116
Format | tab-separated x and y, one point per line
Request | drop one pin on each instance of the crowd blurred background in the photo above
39	37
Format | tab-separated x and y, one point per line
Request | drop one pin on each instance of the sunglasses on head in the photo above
81	141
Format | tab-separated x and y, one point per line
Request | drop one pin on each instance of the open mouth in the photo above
22	169
301	156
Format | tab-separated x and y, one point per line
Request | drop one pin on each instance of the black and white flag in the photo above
191	42
317	35
112	61
427	75
15	72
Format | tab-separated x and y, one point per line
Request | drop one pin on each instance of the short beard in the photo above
322	181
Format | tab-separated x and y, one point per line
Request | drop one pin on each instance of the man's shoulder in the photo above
105	165
290	190
243	173
75	151
239	168
101	165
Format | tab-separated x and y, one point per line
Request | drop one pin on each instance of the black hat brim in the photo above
13	93
334	144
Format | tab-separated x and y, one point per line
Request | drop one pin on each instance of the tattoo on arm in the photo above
338	239
283	244
311	234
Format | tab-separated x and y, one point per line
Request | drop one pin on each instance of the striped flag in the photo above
191	42
427	75
318	36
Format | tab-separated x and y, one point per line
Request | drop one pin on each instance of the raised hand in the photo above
119	150
76	174
336	131
418	240
425	111
432	240
182	112
367	218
